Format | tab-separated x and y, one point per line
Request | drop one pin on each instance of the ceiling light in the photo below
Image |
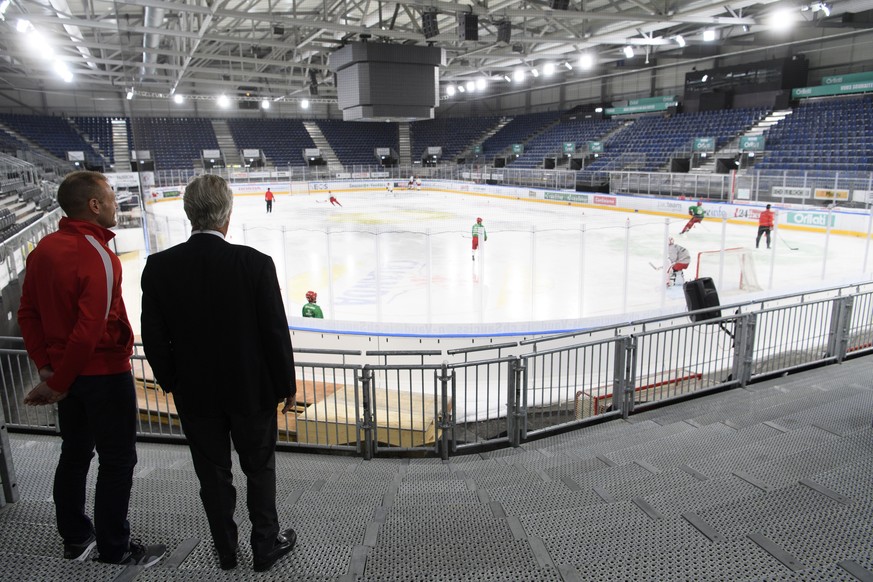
450	90
471	86
548	69
223	101
629	51
535	73
705	77
518	75
3	6
586	61
680	40
178	99
265	104
23	25
461	89
745	28
709	35
129	95
781	19
568	66
508	80
62	70
304	104
481	84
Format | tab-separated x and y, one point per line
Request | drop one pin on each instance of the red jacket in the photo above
268	196
766	218
72	315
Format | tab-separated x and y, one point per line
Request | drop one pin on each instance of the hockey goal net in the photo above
737	274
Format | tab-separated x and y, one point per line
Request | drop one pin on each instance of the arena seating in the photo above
453	134
11	144
175	142
99	131
823	136
655	139
550	142
354	142
282	140
54	134
518	130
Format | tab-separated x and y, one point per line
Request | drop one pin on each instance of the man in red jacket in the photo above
76	331
765	225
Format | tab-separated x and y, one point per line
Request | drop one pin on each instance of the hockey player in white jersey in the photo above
679	258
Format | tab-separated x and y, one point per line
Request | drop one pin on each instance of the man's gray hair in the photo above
208	202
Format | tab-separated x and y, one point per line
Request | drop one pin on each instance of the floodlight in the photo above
508	80
62	70
705	77
548	68
781	19
450	90
265	104
709	35
518	75
535	73
178	99
471	86
304	104
223	101
481	84
586	61
461	89
568	66
129	95
23	25
629	51
680	40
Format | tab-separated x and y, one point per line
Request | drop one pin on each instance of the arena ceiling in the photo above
279	49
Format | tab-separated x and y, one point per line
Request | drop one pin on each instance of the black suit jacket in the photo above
214	327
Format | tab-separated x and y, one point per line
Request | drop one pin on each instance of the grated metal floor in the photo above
768	483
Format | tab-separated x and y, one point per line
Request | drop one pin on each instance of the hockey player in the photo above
697	213
418	184
411	183
679	259
391	187
268	197
333	201
477	229
311	309
765	225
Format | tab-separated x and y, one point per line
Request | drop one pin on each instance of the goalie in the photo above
679	259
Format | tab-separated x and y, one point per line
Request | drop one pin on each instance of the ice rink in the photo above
407	257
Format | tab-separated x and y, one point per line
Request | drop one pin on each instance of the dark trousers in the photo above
269	206
99	411
209	433
762	230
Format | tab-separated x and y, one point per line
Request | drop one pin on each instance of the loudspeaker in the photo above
468	26
278	30
504	31
701	294
429	25
559	4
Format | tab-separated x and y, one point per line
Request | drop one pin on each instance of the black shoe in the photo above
139	554
227	561
284	544
80	552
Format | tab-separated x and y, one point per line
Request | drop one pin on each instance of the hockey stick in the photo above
651	264
788	245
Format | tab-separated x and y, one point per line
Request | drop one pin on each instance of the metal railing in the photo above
448	403
766	186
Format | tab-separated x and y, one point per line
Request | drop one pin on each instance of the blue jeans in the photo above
99	411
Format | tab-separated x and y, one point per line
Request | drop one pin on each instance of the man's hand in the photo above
42	395
290	404
45	373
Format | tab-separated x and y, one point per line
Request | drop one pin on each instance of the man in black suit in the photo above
215	333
